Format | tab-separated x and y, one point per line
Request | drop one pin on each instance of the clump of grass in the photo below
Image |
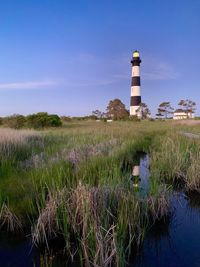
87	205
75	156
171	159
16	146
9	220
177	160
46	223
77	213
159	207
103	222
193	173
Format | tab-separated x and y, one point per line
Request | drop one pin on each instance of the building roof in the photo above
179	110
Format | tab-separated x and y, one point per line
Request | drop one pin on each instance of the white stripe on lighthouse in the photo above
136	170
133	110
135	90
135	71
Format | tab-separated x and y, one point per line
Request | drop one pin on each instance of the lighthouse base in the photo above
134	111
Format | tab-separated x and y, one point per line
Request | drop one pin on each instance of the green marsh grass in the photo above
72	182
176	160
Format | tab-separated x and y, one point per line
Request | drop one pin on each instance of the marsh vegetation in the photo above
72	185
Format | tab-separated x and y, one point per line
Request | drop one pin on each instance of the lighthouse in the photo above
135	85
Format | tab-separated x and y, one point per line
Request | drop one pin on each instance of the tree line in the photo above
116	110
165	110
36	121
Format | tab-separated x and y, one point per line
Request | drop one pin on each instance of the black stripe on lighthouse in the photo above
135	100
136	61
135	81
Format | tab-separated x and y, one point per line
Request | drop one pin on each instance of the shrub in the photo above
54	120
43	119
15	121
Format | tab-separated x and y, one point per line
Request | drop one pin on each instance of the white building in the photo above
181	114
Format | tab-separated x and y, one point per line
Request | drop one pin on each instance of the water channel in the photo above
174	242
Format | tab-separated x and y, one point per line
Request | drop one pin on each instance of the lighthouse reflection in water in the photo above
140	173
136	175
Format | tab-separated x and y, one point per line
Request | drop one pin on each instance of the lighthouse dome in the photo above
136	54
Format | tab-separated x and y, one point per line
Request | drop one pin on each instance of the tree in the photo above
97	113
164	109
143	111
116	110
159	116
188	106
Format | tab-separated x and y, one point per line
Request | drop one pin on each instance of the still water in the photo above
17	252
174	242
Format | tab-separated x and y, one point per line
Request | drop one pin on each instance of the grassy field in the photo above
73	184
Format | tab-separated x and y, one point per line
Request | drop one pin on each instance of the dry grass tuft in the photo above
46	223
9	219
193	173
159	207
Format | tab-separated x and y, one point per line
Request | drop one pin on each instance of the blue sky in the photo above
72	57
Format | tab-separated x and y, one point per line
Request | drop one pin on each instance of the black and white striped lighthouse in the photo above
135	85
